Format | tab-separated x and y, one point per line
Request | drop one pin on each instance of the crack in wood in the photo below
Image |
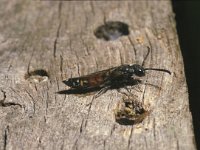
58	29
61	66
92	8
131	42
57	83
120	57
29	63
7	104
145	141
56	40
46	102
96	63
112	129
104	144
77	64
32	100
111	133
85	45
5	138
177	141
150	47
143	93
81	127
154	129
129	138
89	109
78	67
80	132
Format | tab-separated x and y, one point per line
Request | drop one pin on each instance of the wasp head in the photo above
138	70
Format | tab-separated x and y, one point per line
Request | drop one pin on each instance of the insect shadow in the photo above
100	90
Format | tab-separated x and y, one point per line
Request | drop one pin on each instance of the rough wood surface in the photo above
58	36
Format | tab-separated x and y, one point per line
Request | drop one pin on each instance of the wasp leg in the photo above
152	85
137	86
102	91
128	90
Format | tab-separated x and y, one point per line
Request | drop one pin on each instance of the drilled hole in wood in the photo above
129	112
37	76
111	30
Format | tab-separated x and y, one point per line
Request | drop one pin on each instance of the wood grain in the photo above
58	36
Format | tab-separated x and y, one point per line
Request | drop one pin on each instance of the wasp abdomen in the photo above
72	82
85	82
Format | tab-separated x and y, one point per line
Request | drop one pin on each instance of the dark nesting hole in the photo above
111	30
37	76
130	112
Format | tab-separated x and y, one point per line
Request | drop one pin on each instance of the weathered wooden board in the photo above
58	37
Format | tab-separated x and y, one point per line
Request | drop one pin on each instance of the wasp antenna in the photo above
163	70
146	55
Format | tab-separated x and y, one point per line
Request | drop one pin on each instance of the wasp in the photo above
115	77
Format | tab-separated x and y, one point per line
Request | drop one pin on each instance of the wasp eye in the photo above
140	72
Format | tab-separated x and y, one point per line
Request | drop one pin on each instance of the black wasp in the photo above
112	78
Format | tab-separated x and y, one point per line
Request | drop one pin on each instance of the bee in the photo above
111	78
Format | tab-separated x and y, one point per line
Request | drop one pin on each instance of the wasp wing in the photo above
96	79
